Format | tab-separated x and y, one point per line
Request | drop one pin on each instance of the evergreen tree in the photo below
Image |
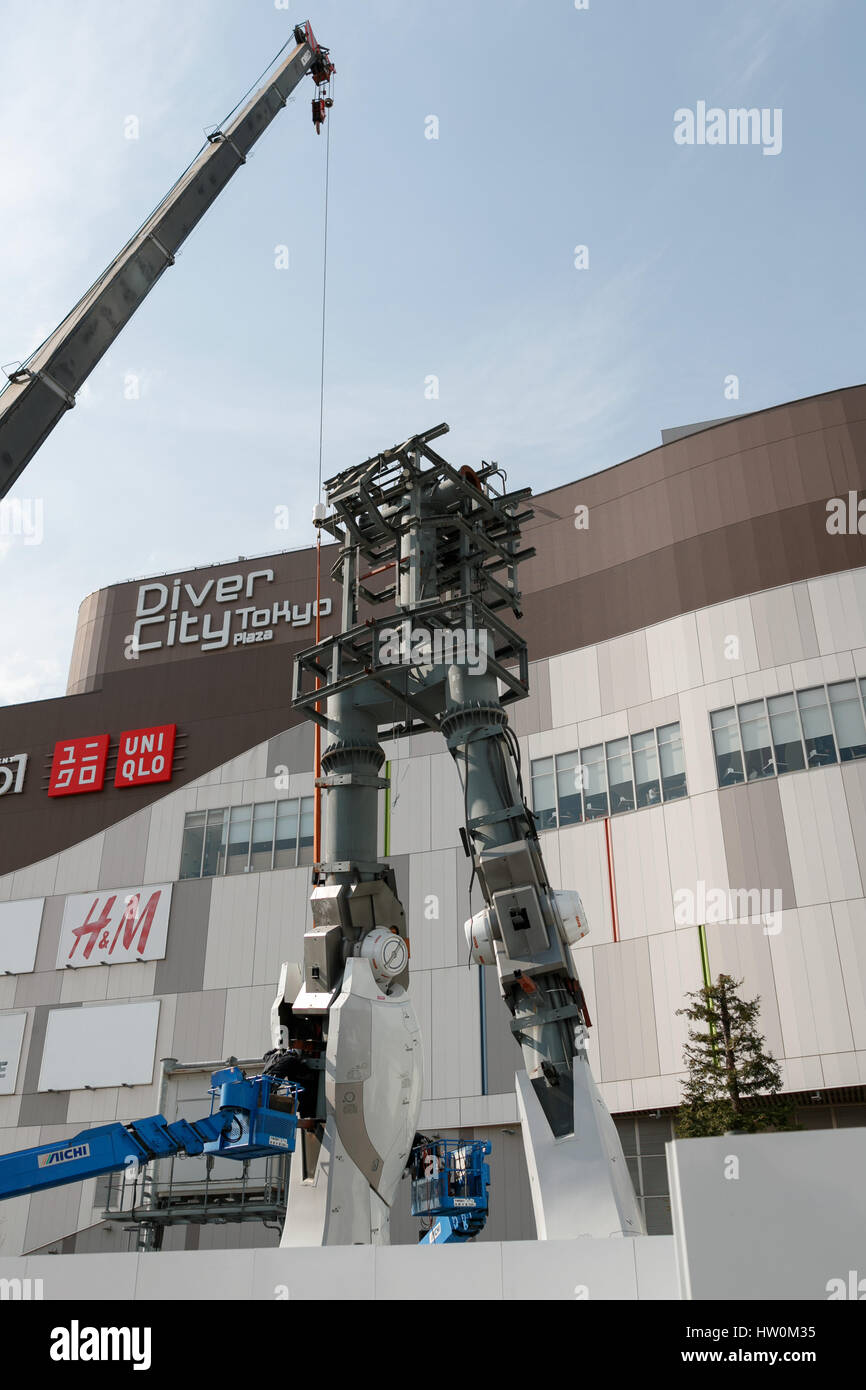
733	1082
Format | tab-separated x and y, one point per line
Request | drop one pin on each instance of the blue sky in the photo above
451	257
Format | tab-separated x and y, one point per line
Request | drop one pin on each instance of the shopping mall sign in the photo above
174	616
143	756
12	769
114	925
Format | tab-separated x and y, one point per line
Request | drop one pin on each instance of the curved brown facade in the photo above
724	512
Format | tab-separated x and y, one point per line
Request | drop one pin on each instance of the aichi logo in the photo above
75	1151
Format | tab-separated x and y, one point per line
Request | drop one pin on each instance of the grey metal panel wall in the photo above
531	715
742	950
292	749
124	850
40	988
854	782
625	1011
199	1026
755	841
182	969
504	1057
49	934
49	1108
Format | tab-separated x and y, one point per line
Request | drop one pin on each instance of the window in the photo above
815	717
305	842
619	776
193	845
643	1139
215	844
624	774
787	739
569	786
262	851
544	794
286	841
726	739
646	768
793	732
238	857
672	764
847	711
755	731
244	839
595	782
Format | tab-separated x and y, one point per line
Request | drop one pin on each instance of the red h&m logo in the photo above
145	755
79	765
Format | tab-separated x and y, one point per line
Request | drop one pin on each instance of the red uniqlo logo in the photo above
145	755
79	765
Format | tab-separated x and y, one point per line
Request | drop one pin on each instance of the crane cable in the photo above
317	745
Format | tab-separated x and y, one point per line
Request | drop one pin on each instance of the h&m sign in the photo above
114	925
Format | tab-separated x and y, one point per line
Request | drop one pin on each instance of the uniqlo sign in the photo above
145	755
79	765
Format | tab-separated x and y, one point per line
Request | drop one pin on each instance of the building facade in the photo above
694	749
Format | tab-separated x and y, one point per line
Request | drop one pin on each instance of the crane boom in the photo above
40	392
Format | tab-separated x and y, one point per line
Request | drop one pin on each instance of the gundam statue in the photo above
435	551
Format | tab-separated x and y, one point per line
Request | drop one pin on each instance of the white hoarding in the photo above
11	1037
114	925
104	1045
19	935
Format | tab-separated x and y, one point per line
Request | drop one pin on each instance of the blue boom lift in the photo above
450	1180
255	1117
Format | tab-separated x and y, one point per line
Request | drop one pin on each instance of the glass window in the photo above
305	847
262	856
238	856
785	726
569	787
213	861
847	713
594	782
619	776
657	1216
756	740
815	716
646	768
726	740
672	764
544	793
193	844
286	843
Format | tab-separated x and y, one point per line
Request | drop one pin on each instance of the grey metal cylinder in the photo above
351	811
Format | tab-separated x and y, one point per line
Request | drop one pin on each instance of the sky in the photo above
455	287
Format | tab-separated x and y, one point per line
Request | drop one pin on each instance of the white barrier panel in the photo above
114	926
19	935
770	1216
104	1045
11	1036
519	1271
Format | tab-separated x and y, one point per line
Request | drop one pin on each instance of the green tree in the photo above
733	1082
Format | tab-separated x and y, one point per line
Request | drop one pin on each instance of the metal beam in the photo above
41	391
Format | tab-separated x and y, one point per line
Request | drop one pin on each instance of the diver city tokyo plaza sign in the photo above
144	756
174	616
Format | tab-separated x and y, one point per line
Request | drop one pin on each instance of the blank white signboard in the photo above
105	1045
11	1037
19	935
